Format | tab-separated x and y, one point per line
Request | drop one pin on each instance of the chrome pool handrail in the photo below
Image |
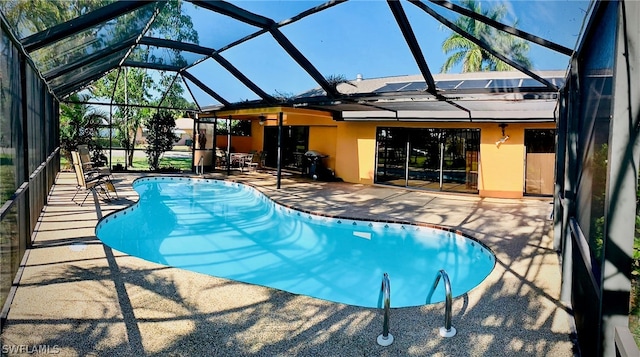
447	330
385	339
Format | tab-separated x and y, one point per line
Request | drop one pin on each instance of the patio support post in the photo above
24	94
194	133
561	145
111	136
215	140
111	131
229	145
279	174
406	164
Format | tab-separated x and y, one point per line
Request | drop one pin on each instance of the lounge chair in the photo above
89	166
90	169
97	183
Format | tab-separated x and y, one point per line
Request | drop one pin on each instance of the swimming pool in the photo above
233	231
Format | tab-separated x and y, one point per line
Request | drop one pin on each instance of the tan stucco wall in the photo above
323	139
238	143
356	150
257	136
502	166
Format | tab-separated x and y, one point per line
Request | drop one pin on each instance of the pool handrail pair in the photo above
385	339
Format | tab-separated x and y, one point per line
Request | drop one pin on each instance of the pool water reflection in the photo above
233	231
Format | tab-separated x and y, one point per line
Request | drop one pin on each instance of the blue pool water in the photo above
232	231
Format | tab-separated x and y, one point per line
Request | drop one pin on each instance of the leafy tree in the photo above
173	94
35	16
472	57
160	137
136	88
38	15
79	125
133	88
238	127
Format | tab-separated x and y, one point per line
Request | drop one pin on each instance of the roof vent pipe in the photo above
358	77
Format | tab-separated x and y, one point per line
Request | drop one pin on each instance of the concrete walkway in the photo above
78	297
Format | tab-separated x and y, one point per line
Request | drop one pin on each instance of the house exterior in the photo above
487	141
183	129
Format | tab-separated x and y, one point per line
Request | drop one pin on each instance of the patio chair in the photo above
89	166
254	162
89	183
221	158
90	169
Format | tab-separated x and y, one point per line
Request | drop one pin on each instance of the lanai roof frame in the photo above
263	25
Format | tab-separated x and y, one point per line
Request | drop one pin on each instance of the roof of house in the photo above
479	96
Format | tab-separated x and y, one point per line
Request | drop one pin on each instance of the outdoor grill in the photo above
317	168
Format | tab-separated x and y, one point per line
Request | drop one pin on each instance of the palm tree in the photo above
472	56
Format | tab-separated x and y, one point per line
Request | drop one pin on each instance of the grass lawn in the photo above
7	177
141	164
182	164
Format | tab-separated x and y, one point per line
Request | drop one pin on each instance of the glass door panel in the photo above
391	156
270	146
460	160
296	146
424	160
295	142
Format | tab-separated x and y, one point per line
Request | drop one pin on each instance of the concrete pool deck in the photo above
79	297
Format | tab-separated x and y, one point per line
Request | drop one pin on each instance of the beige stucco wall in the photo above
356	152
324	139
502	166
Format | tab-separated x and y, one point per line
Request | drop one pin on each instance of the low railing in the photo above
625	345
447	330
385	339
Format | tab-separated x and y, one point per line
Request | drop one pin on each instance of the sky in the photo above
351	38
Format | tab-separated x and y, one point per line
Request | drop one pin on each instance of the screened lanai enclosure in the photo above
110	65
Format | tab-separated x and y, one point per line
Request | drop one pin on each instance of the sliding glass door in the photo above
295	142
429	158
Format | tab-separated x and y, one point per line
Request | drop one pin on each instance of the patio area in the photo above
79	297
